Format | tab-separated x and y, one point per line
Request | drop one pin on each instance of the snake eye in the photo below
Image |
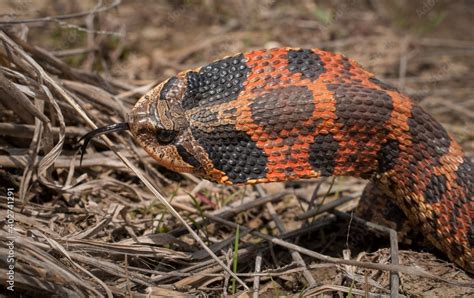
164	136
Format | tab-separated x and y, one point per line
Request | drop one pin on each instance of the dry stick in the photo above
109	143
305	251
21	161
256	279
331	288
26	131
31	156
281	227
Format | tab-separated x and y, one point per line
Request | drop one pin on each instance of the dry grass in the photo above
100	229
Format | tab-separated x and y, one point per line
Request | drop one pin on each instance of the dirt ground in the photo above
98	230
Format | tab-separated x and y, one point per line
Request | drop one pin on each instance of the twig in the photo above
256	279
26	131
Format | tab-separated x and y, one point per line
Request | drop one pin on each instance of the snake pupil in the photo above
165	136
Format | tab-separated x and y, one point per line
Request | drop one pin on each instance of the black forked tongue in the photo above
100	131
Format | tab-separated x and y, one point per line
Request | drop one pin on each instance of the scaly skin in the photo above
285	114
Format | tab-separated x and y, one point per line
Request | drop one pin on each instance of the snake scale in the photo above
287	113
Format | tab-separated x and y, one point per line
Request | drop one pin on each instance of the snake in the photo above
284	114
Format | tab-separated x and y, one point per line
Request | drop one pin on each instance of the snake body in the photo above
288	113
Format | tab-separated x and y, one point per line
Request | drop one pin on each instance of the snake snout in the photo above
141	118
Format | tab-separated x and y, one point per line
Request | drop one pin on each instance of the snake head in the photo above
158	123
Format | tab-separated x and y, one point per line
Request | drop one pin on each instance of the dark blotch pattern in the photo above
358	104
435	189
233	152
384	86
167	87
218	82
188	157
428	136
323	153
387	156
465	177
306	62
284	108
191	96
470	235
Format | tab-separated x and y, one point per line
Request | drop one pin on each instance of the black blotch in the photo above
220	81
387	155
453	221
435	189
188	157
284	109
233	152
391	211
427	134
167	87
322	155
357	104
191	96
465	178
306	62
384	86
470	234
